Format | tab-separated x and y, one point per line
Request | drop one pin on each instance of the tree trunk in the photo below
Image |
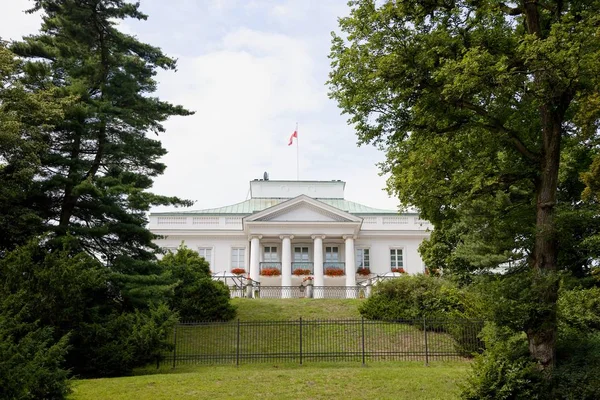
542	333
70	200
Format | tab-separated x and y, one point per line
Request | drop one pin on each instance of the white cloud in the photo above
246	96
250	70
14	23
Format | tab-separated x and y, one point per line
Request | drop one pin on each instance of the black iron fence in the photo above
323	340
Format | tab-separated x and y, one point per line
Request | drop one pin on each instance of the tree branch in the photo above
510	10
496	125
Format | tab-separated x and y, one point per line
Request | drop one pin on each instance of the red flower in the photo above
270	272
299	272
400	270
238	271
334	272
364	271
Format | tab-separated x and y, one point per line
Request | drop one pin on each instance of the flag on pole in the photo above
294	135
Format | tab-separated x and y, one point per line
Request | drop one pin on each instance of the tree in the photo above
197	296
488	111
99	161
25	117
71	295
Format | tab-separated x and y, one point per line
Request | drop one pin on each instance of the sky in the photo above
251	70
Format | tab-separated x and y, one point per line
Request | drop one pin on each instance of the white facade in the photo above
297	225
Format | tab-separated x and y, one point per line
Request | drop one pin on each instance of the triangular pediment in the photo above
303	209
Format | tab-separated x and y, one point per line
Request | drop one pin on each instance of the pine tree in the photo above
100	161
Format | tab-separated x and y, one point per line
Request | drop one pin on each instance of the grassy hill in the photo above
293	309
284	380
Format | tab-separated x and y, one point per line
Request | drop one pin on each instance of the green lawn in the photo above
286	381
292	309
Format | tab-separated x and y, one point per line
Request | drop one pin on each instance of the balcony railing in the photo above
304	265
334	265
270	265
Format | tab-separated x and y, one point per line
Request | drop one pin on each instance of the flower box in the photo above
334	272
270	272
400	270
238	271
364	271
300	272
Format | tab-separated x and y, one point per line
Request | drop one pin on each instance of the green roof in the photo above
254	205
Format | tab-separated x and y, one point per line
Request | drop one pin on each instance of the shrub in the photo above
31	361
504	371
75	296
411	297
580	309
577	375
238	271
300	272
364	271
122	342
331	271
207	300
197	296
270	272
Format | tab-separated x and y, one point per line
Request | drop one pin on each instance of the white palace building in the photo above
290	232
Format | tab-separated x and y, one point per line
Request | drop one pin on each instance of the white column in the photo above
350	263
286	264
318	264
255	257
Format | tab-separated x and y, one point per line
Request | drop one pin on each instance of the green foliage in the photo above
99	161
577	375
25	118
186	264
504	371
31	361
196	296
412	297
73	295
206	300
116	344
579	309
488	113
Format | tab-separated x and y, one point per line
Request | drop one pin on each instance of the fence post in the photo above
300	340
174	344
362	323
237	347
426	345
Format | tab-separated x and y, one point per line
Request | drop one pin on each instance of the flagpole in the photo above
297	153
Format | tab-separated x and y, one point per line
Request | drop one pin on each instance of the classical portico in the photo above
310	234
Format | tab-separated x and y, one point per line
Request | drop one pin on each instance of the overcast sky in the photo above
250	70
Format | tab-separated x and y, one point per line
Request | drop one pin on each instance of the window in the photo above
300	254
396	259
332	254
238	257
206	252
270	254
362	258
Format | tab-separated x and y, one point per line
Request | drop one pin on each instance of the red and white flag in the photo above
294	135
